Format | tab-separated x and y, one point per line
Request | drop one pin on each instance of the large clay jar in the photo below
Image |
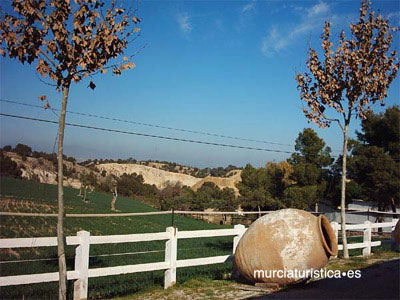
397	232
287	239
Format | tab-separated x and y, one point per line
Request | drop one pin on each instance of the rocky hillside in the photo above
221	182
160	177
46	172
151	175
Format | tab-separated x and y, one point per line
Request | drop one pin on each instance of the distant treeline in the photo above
311	175
25	151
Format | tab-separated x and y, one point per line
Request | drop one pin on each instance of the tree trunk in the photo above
343	194
379	218
393	206
84	197
114	199
62	267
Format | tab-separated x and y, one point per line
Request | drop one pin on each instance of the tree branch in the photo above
45	82
48	58
331	120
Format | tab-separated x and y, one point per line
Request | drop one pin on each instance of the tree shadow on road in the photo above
377	282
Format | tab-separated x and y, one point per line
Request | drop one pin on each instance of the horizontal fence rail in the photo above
83	240
182	212
366	228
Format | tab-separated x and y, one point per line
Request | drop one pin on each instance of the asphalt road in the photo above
377	282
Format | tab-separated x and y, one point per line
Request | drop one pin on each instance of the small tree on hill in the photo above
68	42
23	150
309	170
348	80
262	188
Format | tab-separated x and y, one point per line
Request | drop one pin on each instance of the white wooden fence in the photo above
83	240
82	272
367	229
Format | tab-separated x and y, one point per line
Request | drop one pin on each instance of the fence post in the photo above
82	266
171	253
393	245
367	238
335	227
241	229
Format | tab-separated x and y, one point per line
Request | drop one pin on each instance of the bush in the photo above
7	148
35	177
9	167
22	150
133	184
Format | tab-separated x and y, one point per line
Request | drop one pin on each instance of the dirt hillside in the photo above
229	182
150	175
44	171
160	177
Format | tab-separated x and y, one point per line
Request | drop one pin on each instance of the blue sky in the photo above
224	67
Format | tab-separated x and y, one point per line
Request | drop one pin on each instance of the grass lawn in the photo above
30	196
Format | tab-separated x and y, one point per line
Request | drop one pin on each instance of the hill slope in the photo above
44	171
150	175
160	177
221	182
30	196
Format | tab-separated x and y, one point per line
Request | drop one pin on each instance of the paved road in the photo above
377	282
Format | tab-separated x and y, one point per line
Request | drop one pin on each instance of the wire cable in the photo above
145	134
152	125
160	136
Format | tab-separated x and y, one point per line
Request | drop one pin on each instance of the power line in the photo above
156	136
152	125
145	134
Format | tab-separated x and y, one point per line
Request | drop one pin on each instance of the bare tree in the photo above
349	80
114	199
68	42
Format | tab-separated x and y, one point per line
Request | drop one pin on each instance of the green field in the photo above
30	196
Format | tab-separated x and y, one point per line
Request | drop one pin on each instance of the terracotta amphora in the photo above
284	240
397	232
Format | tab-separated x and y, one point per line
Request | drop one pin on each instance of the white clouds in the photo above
246	15
273	42
312	18
249	7
318	9
184	23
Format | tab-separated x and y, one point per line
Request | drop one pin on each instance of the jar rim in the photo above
328	236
